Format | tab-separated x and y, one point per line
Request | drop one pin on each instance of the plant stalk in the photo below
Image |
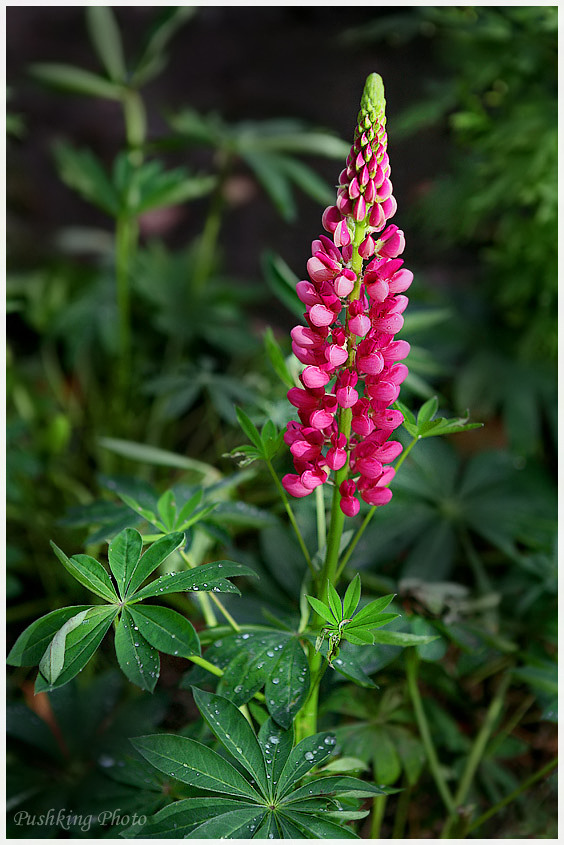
513	795
412	661
476	753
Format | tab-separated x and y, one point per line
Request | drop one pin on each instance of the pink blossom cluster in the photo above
347	343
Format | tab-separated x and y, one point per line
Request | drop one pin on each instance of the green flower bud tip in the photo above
373	99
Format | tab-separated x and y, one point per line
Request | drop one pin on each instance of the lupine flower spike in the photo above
354	301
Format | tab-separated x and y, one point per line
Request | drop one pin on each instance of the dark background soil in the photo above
243	62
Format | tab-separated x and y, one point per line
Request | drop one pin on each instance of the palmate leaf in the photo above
274	659
31	644
287	687
317	827
166	630
80	645
52	662
138	660
89	573
195	764
278	807
180	818
276	744
236	824
234	732
206	578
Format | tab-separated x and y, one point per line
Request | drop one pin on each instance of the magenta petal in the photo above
321	316
360	325
376	495
315	377
293	485
336	355
350	506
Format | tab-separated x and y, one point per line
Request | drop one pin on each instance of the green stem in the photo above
511	724
320	513
477	752
135	124
292	518
126	243
378	810
412	661
513	795
402	810
306	719
207	247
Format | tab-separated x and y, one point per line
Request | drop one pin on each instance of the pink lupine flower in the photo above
352	371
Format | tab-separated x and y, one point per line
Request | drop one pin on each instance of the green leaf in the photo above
306	179
399	638
268	828
209	577
249	428
152	59
166	630
408	416
172	187
177	820
190	506
276	744
248	660
75	80
89	573
436	648
52	662
150	560
193	763
282	282
166	507
234	732
236	824
266	168
359	636
387	765
288	685
138	660
276	358
81	171
308	753
334	602
339	786
321	609
352	597
371	613
31	644
427	411
106	39
319	828
81	643
123	555
160	457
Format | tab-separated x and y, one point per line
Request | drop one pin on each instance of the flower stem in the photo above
320	512
477	752
378	810
402	810
412	661
513	795
292	518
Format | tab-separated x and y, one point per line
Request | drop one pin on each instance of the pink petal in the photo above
293	485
